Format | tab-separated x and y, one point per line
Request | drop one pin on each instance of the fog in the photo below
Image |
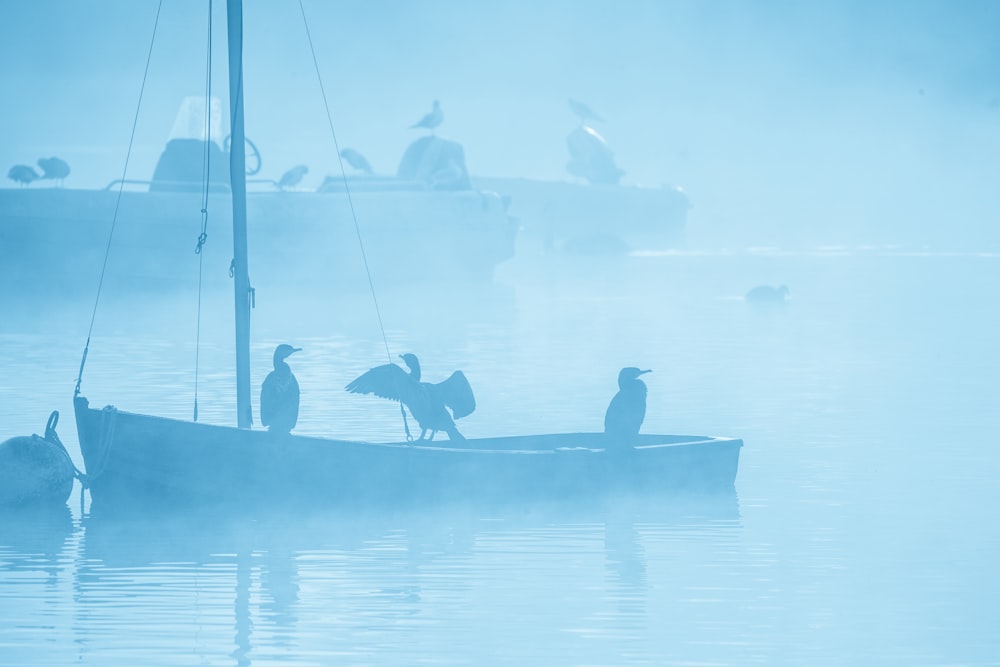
847	150
826	122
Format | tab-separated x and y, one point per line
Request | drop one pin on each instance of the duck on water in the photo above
765	295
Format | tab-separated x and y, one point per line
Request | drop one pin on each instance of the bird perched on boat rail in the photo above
356	160
431	120
627	409
292	177
428	402
53	168
279	395
22	174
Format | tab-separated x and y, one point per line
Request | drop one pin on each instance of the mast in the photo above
237	180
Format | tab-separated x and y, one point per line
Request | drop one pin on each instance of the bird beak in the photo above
647	371
295	349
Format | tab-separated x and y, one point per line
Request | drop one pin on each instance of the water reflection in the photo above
32	539
241	610
298	585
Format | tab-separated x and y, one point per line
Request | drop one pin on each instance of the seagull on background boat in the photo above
279	395
292	177
428	402
627	409
584	112
765	295
356	160
431	120
23	174
53	168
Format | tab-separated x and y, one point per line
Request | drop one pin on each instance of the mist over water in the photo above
847	150
860	528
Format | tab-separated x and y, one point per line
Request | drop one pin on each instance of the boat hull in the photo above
303	241
560	216
136	459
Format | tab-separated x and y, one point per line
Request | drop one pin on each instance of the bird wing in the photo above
456	392
267	400
625	413
431	120
279	394
386	381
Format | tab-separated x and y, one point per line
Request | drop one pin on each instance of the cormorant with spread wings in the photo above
428	402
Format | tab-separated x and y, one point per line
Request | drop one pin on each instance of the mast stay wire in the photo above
206	177
118	200
347	190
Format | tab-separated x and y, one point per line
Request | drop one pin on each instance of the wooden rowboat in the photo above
134	458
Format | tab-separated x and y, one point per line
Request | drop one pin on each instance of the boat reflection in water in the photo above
315	583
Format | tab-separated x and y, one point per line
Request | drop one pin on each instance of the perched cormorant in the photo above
279	395
356	160
23	174
628	408
765	295
53	168
293	176
431	120
584	112
428	402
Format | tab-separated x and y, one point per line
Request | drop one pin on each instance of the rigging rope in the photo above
343	173
206	177
118	201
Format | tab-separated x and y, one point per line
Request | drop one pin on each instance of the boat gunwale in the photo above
686	441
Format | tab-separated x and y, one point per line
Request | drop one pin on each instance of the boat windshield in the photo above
190	120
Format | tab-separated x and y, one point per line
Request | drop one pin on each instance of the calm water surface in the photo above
862	528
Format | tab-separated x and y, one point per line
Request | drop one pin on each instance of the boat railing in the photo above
187	186
384	184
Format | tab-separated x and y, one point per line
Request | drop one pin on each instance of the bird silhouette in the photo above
431	120
427	402
628	407
23	174
53	168
279	394
765	295
293	176
584	112
356	160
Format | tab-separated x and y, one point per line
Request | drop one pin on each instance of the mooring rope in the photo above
109	418
206	177
343	173
118	201
52	437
